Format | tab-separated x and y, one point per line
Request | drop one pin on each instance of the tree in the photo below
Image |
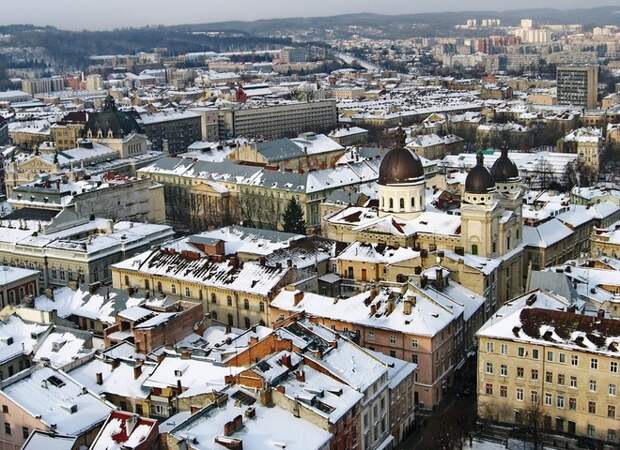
293	218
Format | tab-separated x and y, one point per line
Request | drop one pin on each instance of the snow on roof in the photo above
250	240
427	318
64	346
376	253
196	376
39	440
316	144
124	431
18	337
251	278
10	275
269	428
167	116
101	305
323	394
546	234
343	132
119	380
398	369
58	400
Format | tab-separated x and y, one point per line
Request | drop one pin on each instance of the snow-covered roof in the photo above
57	399
10	275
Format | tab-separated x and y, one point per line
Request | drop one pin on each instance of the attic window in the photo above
55	381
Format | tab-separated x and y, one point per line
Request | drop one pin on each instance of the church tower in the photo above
480	213
402	186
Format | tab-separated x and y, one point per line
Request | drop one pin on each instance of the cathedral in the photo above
485	235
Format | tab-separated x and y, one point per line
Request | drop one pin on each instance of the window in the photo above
402	203
612	436
612	389
392	340
592	385
534	374
573	382
550	356
489	368
548	399
520	372
562	358
146	285
574	360
474	249
7	428
520	394
173	289
489	389
535	353
611	411
229	300
594	363
534	397
561	379
592	407
246	303
613	367
371	336
560	401
261	306
572	404
414	359
521	352
188	292
213	298
5	409
391	203
159	287
414	343
230	320
591	430
503	370
504	349
126	279
503	391
549	377
247	323
25	432
489	347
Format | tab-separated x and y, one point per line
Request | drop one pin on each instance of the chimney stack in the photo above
299	296
407	306
137	371
99	376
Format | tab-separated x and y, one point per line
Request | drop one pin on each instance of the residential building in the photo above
16	284
578	86
172	132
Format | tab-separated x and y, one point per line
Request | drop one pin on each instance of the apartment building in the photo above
278	120
540	362
172	132
578	86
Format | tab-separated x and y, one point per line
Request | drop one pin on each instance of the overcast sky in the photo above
97	14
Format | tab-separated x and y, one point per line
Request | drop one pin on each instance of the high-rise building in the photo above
578	86
43	85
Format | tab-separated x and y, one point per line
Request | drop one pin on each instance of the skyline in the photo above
158	12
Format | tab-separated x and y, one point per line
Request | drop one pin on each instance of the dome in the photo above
479	180
400	165
504	168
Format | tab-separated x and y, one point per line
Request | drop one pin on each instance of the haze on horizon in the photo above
69	14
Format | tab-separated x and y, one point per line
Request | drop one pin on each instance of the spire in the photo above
400	137
505	150
480	158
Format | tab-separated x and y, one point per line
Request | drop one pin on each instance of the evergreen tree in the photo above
293	218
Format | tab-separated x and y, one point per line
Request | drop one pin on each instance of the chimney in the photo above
228	329
373	309
179	386
301	376
600	314
115	363
407	307
229	428
238	421
266	397
299	296
137	371
439	278
99	376
423	281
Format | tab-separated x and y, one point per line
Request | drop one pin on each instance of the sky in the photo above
98	15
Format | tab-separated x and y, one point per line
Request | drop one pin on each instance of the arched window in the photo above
188	292
146	285
159	288
246	303
391	203
214	315
261	306
213	298
413	202
173	289
229	300
402	203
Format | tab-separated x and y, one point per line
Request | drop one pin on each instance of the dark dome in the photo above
479	180
400	165
504	169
